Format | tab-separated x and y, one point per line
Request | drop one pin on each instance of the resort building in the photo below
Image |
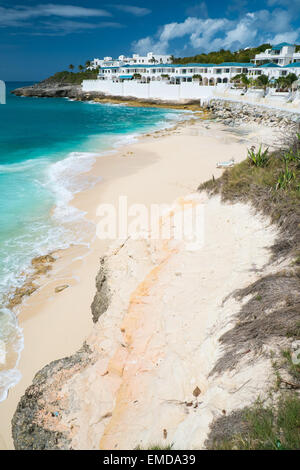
165	80
276	62
207	74
281	54
150	58
211	74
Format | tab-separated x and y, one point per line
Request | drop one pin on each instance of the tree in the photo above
87	64
198	77
218	57
71	67
291	78
286	82
80	68
242	79
262	80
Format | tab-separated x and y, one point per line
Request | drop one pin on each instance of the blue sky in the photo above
38	38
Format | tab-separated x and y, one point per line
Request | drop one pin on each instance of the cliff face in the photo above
152	369
29	432
54	90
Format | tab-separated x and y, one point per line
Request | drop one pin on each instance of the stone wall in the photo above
233	113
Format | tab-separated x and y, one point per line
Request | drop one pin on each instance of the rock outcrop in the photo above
233	113
101	300
55	90
29	431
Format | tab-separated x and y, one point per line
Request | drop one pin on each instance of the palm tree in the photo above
290	79
263	80
71	67
245	80
81	68
87	64
286	82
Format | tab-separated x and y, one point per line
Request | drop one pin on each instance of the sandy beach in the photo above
158	168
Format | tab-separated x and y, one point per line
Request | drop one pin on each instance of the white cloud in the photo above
64	27
70	11
133	10
205	35
288	36
17	15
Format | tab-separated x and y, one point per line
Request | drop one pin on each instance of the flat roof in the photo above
174	66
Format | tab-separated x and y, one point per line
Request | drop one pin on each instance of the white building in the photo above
280	54
151	77
211	74
150	58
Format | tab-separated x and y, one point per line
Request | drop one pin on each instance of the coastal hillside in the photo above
217	57
193	344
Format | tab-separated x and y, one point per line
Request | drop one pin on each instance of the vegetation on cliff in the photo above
271	309
217	57
73	78
223	55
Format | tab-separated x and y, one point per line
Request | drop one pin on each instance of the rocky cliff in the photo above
154	369
54	90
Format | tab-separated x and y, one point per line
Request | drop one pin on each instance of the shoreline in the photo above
75	93
34	276
41	264
134	166
44	278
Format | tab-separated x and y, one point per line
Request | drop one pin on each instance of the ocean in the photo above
46	146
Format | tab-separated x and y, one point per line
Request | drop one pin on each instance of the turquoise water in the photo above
46	145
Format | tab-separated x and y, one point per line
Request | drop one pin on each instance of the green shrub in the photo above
273	427
72	78
285	178
259	158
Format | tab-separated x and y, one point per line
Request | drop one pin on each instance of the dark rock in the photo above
46	90
28	431
102	296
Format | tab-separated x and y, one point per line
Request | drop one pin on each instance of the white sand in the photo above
158	340
157	169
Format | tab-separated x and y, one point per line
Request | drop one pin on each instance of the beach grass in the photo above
272	427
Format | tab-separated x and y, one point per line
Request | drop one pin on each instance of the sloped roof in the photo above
279	46
270	65
292	65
